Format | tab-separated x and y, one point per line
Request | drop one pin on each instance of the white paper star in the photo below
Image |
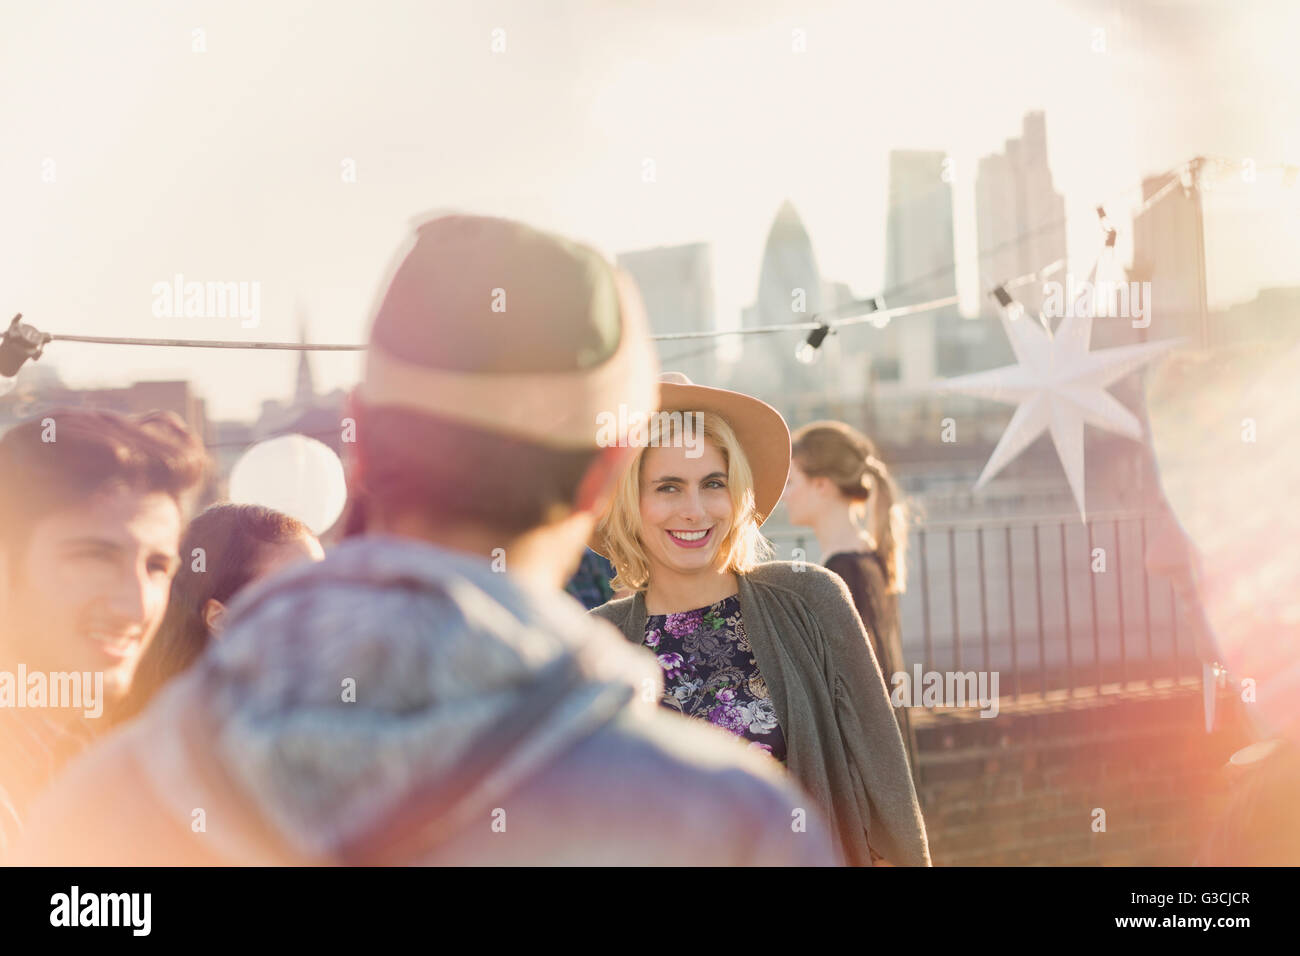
1058	385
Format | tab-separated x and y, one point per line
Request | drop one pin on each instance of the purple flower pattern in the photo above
710	673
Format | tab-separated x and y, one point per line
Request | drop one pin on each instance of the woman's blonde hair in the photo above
847	457
743	548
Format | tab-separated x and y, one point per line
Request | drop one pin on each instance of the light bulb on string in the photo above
19	343
1014	310
1107	274
809	351
881	319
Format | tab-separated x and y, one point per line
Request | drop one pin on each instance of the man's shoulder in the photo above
691	788
651	788
668	752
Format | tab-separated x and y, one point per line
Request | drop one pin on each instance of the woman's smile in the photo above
691	539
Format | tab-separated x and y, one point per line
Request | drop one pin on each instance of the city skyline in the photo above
734	120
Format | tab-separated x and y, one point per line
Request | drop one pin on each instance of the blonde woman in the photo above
840	488
772	651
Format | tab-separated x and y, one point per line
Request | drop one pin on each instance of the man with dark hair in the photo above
426	694
91	508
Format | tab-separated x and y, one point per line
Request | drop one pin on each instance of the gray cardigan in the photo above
843	744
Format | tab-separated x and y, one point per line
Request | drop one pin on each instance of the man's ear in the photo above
214	616
601	478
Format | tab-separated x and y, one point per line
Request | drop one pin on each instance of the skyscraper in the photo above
1020	217
789	291
676	284
920	265
1169	252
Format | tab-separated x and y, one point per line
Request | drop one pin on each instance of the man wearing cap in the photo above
426	694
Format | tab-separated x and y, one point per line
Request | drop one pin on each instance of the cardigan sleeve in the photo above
615	611
872	742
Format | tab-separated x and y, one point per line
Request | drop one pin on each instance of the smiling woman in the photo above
771	651
684	513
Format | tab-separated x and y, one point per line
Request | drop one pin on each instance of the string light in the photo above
20	343
808	351
1013	308
1107	228
881	319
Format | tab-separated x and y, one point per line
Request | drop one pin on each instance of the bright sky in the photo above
225	165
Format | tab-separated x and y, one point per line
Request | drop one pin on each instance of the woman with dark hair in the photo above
226	548
840	488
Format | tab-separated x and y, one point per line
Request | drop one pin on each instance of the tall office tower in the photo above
1169	252
1019	215
676	284
919	265
789	291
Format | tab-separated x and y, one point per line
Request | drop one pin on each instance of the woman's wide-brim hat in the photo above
762	433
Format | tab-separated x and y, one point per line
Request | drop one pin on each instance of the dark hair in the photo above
65	456
458	474
232	538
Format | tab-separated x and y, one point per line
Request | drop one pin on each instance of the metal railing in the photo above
1056	604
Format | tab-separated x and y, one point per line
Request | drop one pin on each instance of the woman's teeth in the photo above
689	535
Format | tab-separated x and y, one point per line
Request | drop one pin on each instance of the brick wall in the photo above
1020	788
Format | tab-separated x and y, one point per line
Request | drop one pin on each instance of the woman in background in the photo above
837	482
224	549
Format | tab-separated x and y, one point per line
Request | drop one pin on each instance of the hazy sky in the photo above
226	164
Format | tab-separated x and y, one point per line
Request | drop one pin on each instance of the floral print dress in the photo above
710	673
